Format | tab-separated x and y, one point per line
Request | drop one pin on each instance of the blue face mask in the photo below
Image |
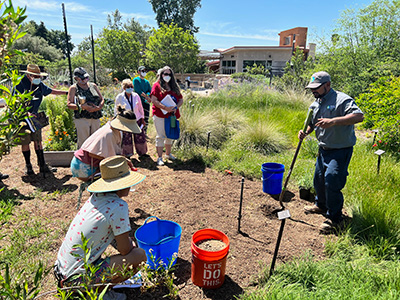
36	81
129	90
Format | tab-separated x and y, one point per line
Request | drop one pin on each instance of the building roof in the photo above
262	48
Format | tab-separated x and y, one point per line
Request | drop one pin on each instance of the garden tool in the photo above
284	214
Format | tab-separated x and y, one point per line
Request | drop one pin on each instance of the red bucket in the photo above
208	267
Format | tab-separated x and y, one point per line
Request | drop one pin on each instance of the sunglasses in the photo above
35	76
167	74
129	86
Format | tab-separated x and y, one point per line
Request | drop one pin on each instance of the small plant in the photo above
161	278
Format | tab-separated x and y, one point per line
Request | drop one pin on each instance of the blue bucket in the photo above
160	239
272	176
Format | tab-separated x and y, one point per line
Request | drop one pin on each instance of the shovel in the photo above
284	214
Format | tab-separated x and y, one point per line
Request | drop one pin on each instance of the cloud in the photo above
51	5
268	37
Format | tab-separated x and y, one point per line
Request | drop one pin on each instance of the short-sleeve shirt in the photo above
39	91
156	91
91	96
100	219
334	104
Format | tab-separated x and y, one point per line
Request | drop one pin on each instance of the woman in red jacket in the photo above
165	85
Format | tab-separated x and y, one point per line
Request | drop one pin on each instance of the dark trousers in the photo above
330	178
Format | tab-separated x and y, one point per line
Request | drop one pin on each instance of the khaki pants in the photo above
161	137
85	128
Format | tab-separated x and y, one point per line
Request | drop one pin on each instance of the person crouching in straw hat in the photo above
32	82
103	218
103	143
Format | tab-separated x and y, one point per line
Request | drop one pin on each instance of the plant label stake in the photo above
284	214
379	153
240	205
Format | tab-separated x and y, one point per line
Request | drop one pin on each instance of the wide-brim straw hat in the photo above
34	70
115	175
124	124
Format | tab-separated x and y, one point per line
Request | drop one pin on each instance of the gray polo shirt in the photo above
332	105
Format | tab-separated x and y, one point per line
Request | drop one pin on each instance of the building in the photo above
238	58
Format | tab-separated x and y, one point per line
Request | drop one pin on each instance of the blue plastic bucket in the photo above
160	239
272	177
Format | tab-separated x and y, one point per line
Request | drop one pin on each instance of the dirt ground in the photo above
195	197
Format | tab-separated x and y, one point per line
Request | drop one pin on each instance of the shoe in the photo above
329	226
47	169
29	170
3	176
313	209
112	295
171	157
160	161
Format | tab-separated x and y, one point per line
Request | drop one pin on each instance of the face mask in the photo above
129	90
36	81
143	74
167	78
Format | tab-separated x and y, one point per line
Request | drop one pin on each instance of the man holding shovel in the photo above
334	116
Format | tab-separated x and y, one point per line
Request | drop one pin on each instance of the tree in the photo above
131	25
38	45
365	46
10	121
180	12
118	50
171	45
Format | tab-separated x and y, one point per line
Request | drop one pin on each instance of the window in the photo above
287	40
228	66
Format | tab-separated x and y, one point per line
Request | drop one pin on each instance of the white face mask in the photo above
143	74
129	90
167	78
36	81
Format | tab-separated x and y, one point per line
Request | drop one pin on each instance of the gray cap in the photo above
81	73
141	68
317	79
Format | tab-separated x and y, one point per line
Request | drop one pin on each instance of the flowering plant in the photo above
62	136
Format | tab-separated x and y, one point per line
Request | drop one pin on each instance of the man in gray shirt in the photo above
334	116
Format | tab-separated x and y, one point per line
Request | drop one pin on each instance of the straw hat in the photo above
124	124
34	70
115	175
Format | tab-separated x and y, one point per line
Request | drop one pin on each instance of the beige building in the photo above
238	58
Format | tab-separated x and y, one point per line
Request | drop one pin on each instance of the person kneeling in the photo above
103	218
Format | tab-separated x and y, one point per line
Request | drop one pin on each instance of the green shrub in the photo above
62	135
381	107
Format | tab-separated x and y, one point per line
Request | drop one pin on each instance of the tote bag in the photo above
172	132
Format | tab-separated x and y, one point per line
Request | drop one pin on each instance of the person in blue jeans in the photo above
334	116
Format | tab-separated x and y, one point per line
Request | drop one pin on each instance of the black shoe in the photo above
47	169
3	176
29	170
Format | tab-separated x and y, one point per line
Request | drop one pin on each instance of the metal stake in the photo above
94	63
208	139
379	153
240	205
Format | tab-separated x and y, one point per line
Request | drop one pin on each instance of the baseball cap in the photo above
317	79
81	73
142	68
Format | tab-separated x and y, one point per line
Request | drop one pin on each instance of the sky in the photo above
223	23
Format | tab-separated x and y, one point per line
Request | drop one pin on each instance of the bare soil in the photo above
195	197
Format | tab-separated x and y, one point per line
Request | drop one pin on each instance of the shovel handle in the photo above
308	119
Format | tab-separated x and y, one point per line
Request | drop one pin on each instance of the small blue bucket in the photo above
272	176
160	239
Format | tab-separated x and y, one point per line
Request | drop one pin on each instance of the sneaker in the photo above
160	161
313	209
171	157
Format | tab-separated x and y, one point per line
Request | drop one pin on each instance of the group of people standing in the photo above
132	107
